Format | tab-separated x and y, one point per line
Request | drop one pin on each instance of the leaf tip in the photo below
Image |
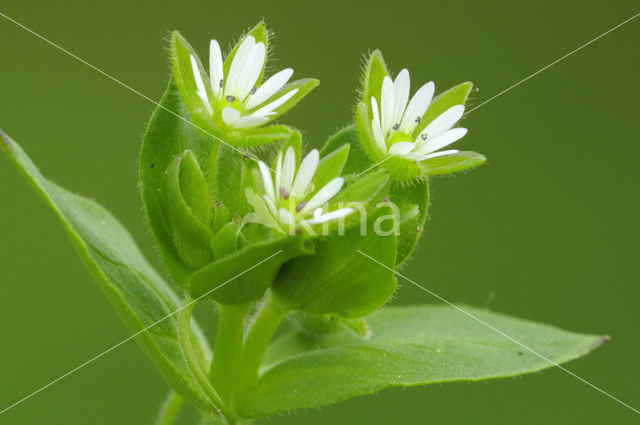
6	143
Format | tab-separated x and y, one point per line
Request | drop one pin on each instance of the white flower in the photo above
394	123
242	104
282	203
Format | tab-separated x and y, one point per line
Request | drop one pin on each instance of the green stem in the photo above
170	409
184	324
228	348
264	326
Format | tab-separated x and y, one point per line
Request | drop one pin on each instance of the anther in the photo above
396	126
284	193
221	83
253	90
300	206
418	119
230	99
424	136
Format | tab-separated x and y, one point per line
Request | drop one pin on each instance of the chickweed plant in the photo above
248	220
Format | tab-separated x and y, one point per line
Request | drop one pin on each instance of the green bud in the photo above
188	209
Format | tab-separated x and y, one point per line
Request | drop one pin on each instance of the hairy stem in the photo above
184	323
228	348
170	409
264	326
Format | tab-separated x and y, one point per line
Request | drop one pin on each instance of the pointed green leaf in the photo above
374	72
303	87
139	295
412	345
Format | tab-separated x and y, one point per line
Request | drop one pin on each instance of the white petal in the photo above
444	121
230	116
237	65
374	108
401	86
401	148
269	88
387	102
250	121
268	108
330	216
323	195
271	205
377	135
442	153
202	91
287	218
417	107
415	156
266	180
215	68
278	174
288	169
305	173
263	214
441	141
251	71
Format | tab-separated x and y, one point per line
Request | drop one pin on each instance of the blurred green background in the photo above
546	231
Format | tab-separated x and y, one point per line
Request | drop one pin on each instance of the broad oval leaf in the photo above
409	346
136	291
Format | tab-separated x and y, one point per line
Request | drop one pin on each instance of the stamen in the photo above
253	90
424	136
300	206
221	82
396	126
418	119
230	99
284	193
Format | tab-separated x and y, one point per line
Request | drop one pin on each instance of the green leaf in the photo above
136	291
338	280
303	87
374	72
412	201
243	276
409	346
168	135
447	164
357	161
454	96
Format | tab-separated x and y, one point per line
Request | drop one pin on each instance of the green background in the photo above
547	231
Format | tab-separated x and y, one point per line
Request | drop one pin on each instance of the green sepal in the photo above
412	201
189	233
456	95
181	52
304	87
231	178
357	160
374	72
402	169
339	280
195	189
221	216
245	275
295	141
250	138
447	164
330	166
